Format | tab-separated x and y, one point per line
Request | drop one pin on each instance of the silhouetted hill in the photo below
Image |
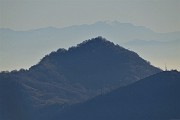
153	98
97	62
70	76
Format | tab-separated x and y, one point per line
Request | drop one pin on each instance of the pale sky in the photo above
159	15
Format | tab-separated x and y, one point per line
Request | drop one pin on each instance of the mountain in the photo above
75	75
153	98
19	43
15	103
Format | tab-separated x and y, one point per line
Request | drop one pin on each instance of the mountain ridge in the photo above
155	97
75	75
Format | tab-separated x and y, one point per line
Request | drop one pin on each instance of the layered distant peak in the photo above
92	51
99	41
98	63
96	44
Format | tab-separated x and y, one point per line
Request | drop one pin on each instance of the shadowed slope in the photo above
153	98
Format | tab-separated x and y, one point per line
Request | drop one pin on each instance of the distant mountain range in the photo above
67	77
44	40
153	98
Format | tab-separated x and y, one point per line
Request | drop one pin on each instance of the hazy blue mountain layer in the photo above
44	40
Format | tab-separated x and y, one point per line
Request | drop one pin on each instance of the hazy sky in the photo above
159	15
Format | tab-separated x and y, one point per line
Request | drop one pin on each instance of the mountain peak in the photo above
98	56
70	76
98	41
